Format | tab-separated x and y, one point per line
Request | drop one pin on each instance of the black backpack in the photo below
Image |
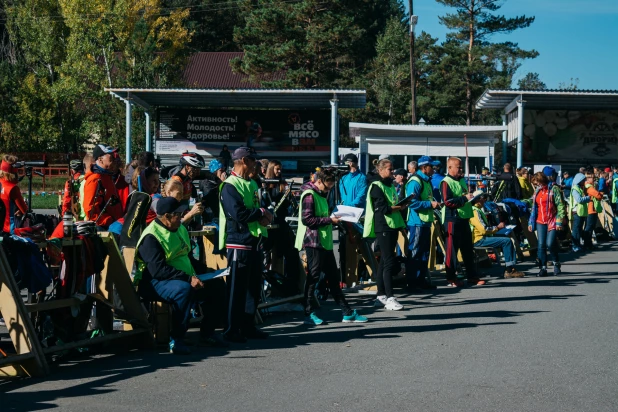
138	206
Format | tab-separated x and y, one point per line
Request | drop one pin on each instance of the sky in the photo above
575	39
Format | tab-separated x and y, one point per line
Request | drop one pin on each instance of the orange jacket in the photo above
592	192
96	196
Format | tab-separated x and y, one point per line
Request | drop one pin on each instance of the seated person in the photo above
483	235
166	271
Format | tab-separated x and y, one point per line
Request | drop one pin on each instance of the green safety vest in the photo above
394	220
426	194
598	206
248	190
325	233
582	208
615	190
458	187
176	246
82	210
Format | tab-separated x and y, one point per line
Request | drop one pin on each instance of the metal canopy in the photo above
370	131
262	98
549	99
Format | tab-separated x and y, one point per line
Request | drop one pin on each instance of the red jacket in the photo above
12	198
96	196
66	198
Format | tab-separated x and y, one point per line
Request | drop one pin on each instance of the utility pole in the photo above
413	21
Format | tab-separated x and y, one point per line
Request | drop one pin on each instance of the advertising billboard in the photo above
298	133
568	135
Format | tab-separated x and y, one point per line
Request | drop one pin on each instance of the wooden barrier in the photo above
30	355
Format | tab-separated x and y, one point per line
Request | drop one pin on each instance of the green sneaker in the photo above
313	320
354	317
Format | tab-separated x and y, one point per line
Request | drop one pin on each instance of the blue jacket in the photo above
353	189
417	204
436	179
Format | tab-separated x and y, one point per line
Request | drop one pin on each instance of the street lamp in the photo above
413	22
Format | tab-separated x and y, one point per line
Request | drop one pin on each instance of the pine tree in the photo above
485	63
531	81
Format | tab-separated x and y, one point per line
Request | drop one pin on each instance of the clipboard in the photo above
405	200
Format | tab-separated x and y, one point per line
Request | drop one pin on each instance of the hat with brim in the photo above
426	160
102	149
169	205
243	152
479	194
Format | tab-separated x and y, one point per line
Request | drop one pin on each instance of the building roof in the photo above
549	99
212	70
250	98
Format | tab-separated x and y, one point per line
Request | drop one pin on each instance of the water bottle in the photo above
67	225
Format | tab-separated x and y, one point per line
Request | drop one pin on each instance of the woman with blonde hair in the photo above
14	203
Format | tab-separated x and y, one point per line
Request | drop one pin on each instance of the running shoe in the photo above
476	282
454	284
354	317
380	301
557	270
178	348
392	304
313	320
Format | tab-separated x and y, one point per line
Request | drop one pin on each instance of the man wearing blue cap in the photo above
241	224
420	219
436	180
166	272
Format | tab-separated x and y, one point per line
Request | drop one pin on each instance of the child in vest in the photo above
594	207
315	235
578	209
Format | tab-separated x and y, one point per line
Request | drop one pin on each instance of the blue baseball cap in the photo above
549	171
426	160
215	165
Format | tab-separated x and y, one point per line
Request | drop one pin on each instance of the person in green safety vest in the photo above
166	271
315	235
242	222
578	210
420	218
456	215
383	221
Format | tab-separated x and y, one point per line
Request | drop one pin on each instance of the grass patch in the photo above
44	202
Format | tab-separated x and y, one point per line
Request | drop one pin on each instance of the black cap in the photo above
350	157
400	172
102	150
169	205
244	151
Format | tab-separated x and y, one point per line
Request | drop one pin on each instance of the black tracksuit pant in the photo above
318	261
388	266
459	238
243	288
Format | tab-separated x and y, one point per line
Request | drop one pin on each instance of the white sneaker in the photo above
392	304
380	301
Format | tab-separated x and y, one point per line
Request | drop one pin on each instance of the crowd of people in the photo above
250	203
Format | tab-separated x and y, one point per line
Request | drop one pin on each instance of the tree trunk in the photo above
471	11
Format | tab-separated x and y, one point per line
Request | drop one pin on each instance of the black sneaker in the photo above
234	337
255	333
557	270
213	340
542	273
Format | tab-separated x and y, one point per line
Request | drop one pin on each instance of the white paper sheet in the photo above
348	213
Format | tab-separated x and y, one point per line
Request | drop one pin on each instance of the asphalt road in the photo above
532	344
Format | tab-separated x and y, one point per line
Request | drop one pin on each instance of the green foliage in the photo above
573	84
531	81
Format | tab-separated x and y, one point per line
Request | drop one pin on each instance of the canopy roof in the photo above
263	98
549	99
419	140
